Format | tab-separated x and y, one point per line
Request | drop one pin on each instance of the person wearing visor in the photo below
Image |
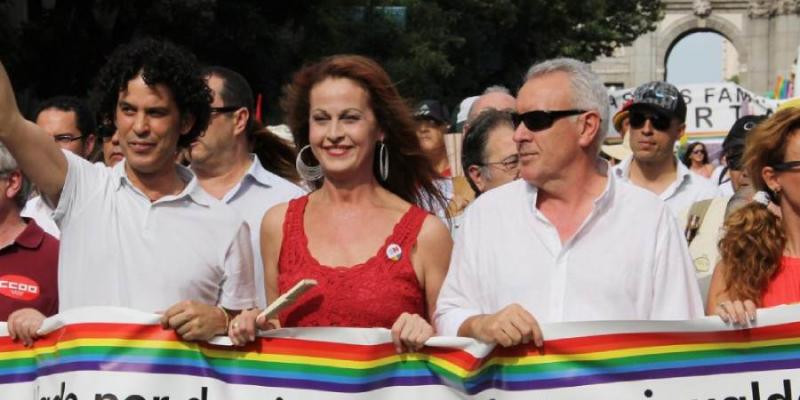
545	248
657	117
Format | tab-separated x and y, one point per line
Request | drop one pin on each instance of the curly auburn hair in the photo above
411	175
755	238
158	62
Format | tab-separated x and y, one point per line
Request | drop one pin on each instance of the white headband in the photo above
762	198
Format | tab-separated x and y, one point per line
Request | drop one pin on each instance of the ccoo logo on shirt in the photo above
19	287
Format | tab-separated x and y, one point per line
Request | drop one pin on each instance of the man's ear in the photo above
591	128
14	184
187	122
476	176
88	145
240	118
681	131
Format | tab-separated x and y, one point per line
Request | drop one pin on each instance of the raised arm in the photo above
39	157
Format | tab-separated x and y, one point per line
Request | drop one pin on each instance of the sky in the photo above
697	58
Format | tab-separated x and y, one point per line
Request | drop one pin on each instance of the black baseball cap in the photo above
733	145
661	97
432	110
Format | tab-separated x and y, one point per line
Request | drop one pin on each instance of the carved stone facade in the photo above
765	33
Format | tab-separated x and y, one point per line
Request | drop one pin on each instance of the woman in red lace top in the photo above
362	234
760	252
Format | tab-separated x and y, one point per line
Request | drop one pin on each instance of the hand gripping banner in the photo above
120	354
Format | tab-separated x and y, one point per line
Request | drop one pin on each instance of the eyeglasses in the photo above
539	120
698	151
66	138
507	164
226	109
786	166
660	122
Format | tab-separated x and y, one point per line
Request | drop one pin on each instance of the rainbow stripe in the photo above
350	368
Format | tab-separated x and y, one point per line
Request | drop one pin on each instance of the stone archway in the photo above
688	25
765	33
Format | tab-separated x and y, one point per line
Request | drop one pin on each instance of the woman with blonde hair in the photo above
760	251
363	234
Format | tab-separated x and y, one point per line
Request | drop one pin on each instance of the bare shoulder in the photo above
272	222
434	234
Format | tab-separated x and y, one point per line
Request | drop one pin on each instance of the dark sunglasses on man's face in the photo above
660	122
539	120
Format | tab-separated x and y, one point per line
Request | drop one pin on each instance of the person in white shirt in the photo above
69	122
227	169
547	248
142	235
656	118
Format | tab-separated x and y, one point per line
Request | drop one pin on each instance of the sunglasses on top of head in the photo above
539	120
659	121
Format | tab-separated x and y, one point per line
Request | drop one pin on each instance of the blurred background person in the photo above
696	159
489	153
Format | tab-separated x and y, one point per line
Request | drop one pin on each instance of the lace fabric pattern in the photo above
372	294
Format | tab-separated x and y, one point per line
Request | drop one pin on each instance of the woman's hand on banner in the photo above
410	332
243	327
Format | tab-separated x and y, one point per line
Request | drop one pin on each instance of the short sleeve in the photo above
238	287
83	179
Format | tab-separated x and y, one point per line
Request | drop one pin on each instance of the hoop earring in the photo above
383	162
309	173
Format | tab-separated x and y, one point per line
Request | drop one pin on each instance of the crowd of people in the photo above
169	196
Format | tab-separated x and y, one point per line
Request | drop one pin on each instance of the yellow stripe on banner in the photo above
112	342
611	354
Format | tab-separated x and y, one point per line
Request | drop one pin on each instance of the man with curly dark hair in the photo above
143	234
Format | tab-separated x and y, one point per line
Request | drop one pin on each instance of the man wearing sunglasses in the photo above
226	168
656	120
69	122
546	247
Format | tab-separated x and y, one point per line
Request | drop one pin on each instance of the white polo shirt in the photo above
627	261
42	213
258	191
687	189
119	249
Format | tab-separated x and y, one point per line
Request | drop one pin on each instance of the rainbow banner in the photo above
118	354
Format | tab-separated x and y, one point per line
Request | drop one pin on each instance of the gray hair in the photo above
496	89
588	91
8	165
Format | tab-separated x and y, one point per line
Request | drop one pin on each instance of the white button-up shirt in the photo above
627	261
258	191
120	249
687	189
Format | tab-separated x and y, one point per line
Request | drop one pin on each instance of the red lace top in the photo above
784	286
372	294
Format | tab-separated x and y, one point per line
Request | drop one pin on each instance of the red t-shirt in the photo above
29	272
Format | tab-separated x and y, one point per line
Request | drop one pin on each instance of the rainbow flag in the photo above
362	361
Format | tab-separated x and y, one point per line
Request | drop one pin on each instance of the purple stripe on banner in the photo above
18	378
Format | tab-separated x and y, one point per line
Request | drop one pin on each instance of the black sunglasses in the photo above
786	166
539	120
660	122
